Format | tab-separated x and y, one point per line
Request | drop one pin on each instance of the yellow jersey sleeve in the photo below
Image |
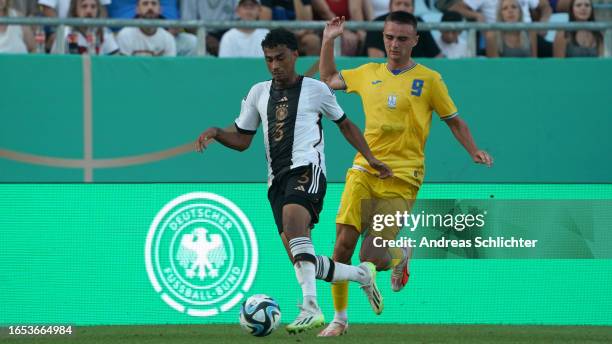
353	78
441	100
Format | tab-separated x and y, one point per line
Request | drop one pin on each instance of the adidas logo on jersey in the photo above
300	188
283	99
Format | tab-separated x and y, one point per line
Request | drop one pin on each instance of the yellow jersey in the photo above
398	111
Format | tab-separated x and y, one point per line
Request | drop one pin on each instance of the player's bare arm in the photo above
229	137
354	136
464	136
327	65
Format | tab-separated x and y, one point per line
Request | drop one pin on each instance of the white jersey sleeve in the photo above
248	121
329	105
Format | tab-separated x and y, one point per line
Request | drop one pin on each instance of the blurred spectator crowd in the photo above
246	42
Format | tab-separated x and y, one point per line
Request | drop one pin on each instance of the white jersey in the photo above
291	121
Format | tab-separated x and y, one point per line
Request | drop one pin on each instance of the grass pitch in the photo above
371	334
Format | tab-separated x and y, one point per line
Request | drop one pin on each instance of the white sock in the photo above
341	316
344	272
331	271
305	272
305	269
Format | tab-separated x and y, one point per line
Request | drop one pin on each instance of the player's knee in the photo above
294	229
346	241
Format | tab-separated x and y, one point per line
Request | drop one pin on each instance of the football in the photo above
260	315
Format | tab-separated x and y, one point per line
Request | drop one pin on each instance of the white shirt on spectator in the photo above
11	40
452	50
63	6
488	8
106	47
236	43
132	41
527	5
380	7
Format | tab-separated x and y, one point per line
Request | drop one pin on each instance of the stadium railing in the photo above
202	27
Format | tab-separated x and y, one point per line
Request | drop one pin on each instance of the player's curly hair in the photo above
278	37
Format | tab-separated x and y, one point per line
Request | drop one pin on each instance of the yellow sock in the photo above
340	296
396	256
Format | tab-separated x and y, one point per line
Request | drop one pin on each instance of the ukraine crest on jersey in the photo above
398	110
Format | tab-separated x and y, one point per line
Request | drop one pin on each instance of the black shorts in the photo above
304	185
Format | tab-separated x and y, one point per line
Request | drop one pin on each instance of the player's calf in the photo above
346	241
379	256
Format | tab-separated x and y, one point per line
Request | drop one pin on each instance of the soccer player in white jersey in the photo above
290	108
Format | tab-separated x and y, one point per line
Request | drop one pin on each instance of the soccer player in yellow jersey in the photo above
398	99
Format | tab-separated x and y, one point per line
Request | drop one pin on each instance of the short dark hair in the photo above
451	16
402	17
277	37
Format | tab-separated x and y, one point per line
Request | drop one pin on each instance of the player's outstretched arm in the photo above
354	136
464	136
229	137
327	65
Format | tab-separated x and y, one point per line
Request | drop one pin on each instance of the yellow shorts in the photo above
366	195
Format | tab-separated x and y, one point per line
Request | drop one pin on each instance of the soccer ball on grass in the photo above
260	315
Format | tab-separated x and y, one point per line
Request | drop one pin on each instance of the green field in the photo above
358	334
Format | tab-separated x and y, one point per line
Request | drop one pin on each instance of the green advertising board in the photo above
134	120
88	254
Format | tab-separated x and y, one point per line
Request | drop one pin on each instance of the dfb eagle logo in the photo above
200	256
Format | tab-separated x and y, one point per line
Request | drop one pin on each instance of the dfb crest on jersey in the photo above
282	110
